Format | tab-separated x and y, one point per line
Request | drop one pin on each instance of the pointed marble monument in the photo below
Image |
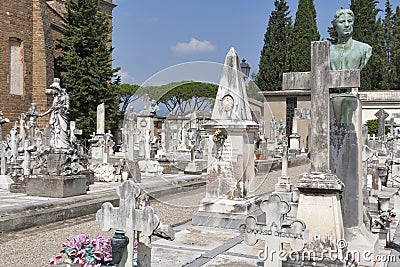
231	159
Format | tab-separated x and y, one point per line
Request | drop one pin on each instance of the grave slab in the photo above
162	256
233	261
198	237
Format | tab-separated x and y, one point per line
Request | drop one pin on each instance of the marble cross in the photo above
131	218
381	115
320	79
274	232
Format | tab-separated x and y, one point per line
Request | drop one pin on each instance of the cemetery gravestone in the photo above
273	231
231	164
135	218
320	188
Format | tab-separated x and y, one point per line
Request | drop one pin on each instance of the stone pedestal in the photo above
319	205
56	185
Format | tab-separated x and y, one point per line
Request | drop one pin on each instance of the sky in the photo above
150	36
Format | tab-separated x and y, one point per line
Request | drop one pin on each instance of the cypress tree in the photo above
395	51
304	31
379	59
388	26
85	65
365	30
272	59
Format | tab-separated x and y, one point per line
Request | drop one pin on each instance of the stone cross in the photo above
27	149
2	121
320	79
100	119
131	218
274	232
381	115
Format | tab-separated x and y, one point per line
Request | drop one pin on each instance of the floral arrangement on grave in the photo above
85	251
219	137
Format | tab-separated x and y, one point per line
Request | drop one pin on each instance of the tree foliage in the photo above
395	50
304	31
127	94
388	28
368	30
85	65
182	96
373	126
273	54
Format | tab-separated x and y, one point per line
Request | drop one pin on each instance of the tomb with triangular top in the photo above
230	170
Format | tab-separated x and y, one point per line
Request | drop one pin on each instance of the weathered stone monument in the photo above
346	133
57	170
137	219
231	162
320	189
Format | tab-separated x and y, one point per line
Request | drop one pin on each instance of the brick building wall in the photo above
16	23
43	59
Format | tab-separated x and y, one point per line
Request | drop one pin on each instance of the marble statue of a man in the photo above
347	53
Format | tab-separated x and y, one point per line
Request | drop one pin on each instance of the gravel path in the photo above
34	247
